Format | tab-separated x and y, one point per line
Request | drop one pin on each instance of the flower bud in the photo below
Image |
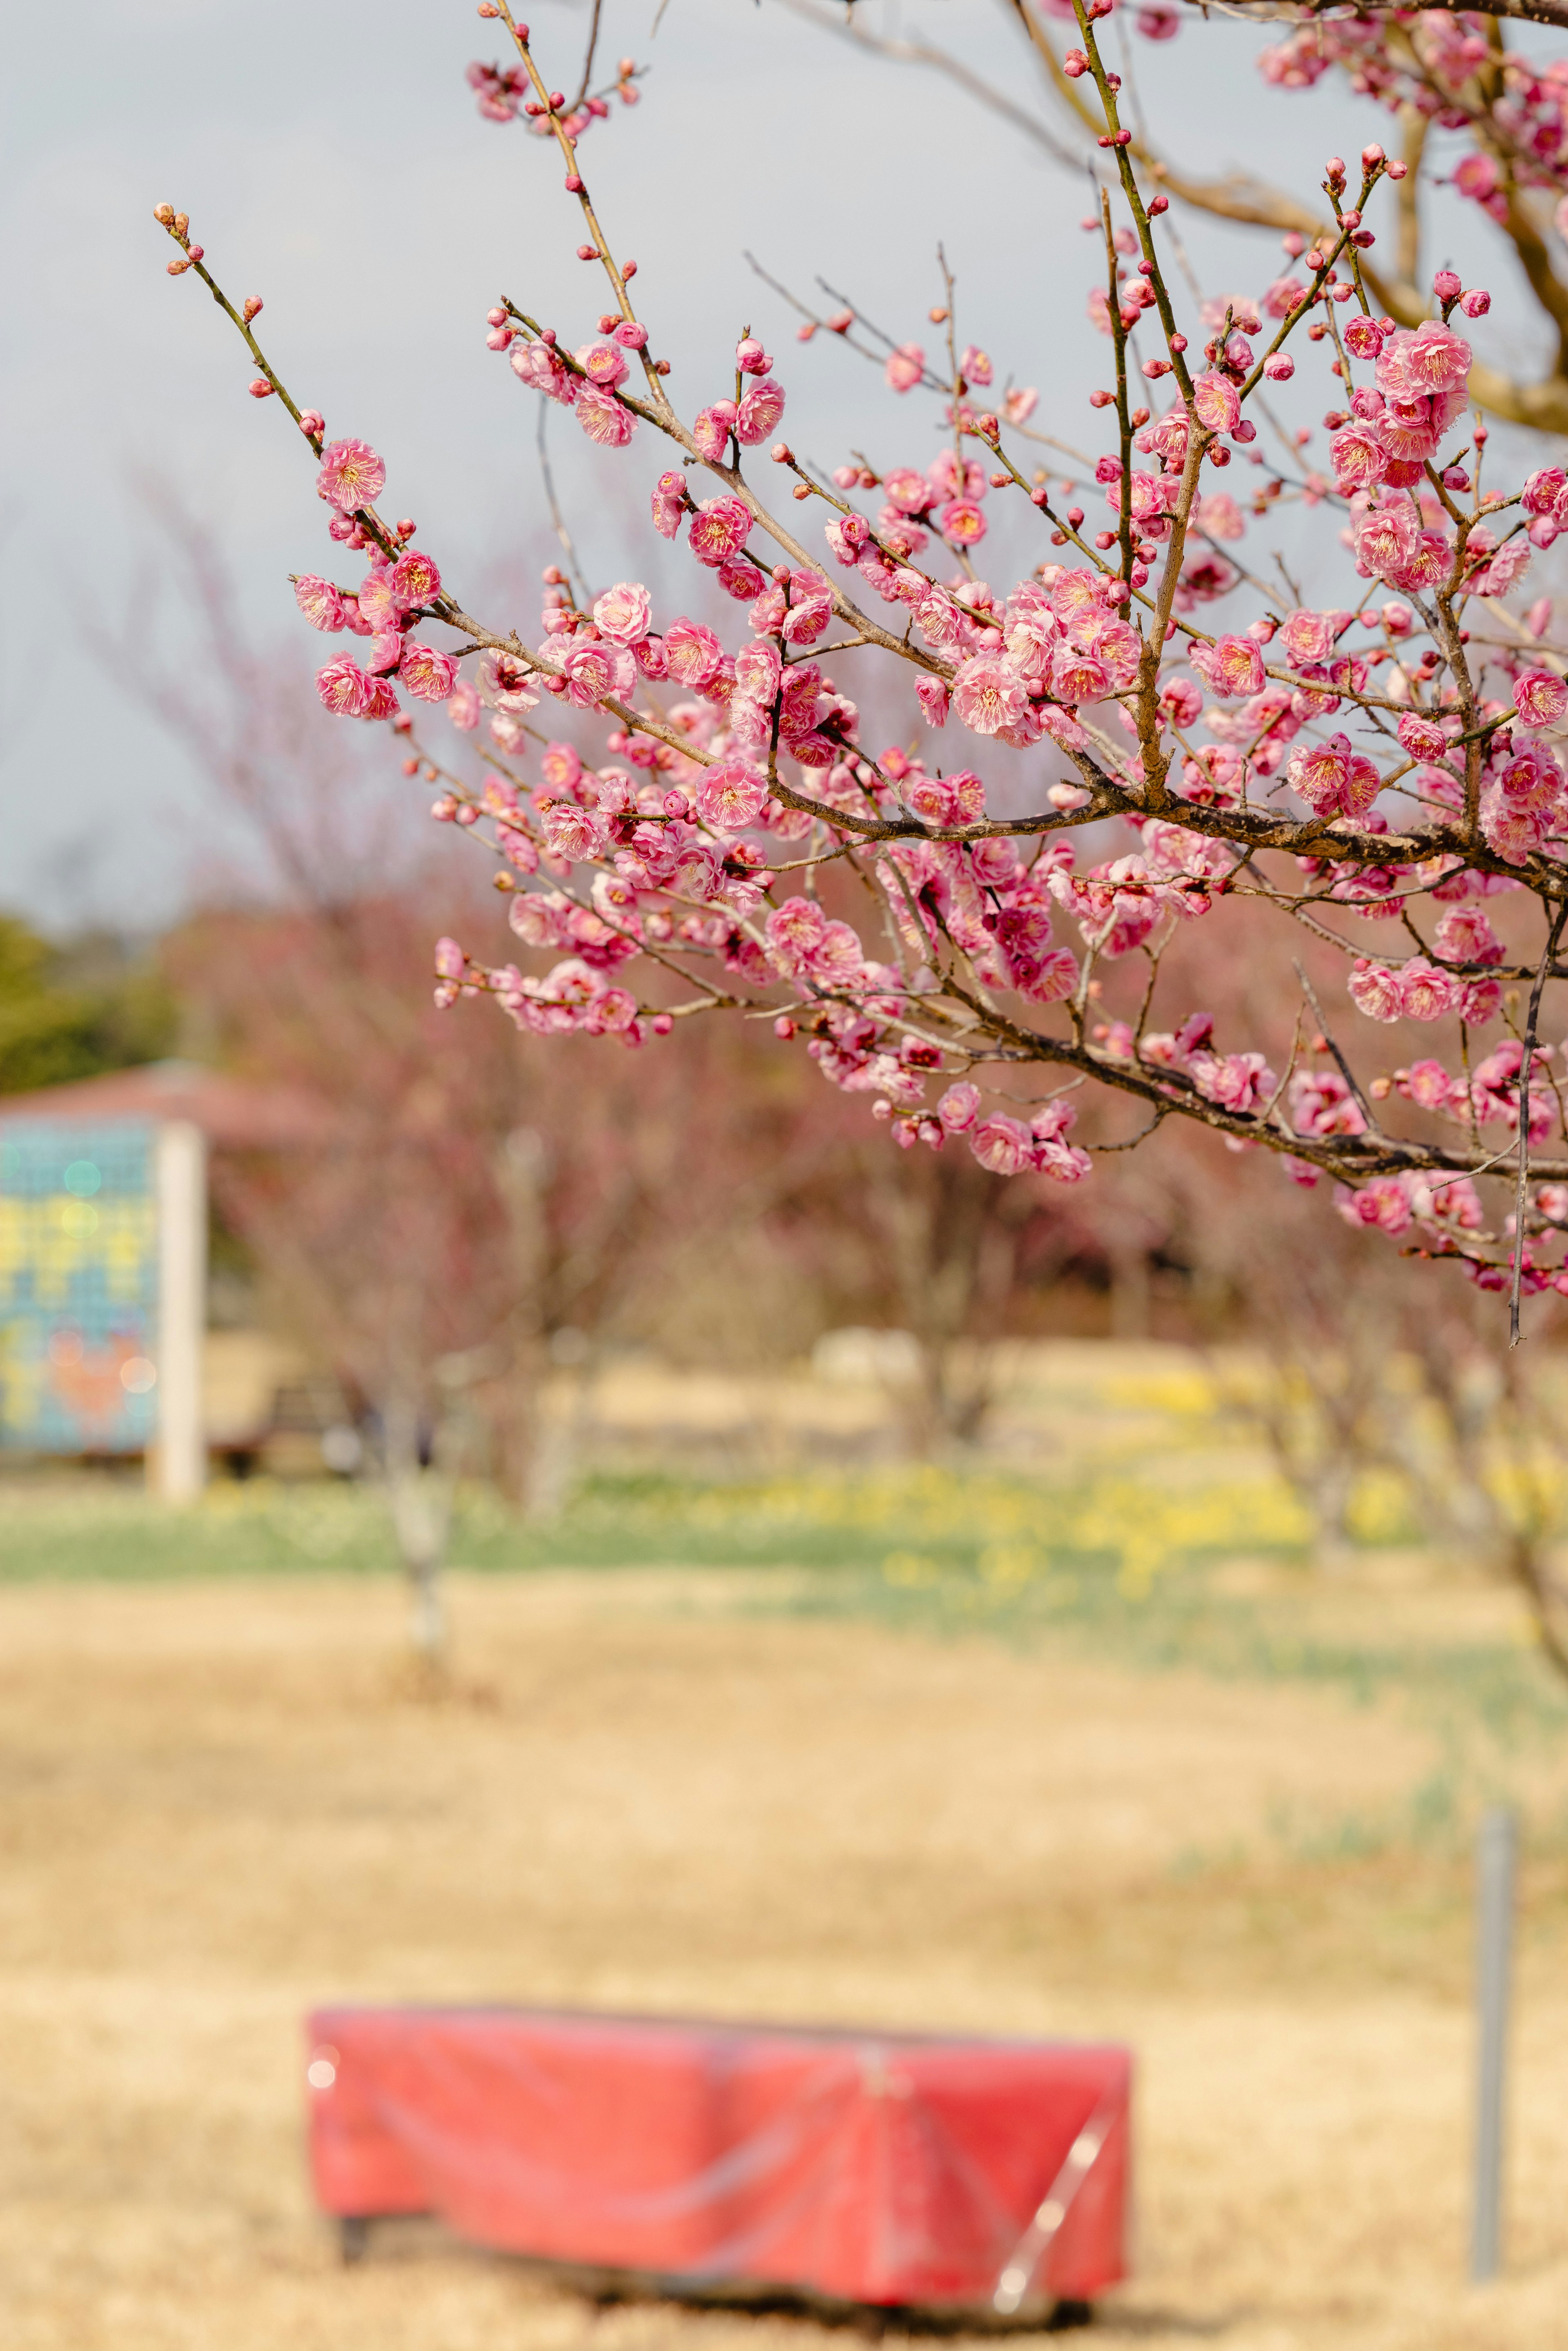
1446	286
253	306
164	215
182	223
1370	157
1476	303
1397	168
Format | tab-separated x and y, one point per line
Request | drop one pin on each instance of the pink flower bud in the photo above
1446	286
1476	303
1279	367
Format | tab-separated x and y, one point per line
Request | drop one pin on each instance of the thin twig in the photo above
1532	1027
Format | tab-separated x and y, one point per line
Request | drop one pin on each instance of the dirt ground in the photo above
220	1804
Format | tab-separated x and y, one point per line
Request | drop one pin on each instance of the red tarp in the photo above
884	2167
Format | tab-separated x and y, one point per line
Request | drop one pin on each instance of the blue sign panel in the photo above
78	1286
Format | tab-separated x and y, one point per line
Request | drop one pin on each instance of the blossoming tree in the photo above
1164	729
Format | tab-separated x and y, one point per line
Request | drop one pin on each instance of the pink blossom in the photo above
1003	1145
590	672
795	932
692	653
1334	777
351	476
1385	540
1425	992
1308	636
1429	562
463	708
572	832
1323	1104
1421	739
319	602
731	796
838	955
536	365
1075	676
720	528
1218	517
962	522
604	418
1360	458
416	580
1464	935
1215	402
1381	1203
669	504
603	364
429	675
344	688
847	536
1428	1085
1540	697
379	608
810	609
1416	362
739	579
622	613
931	692
958	1108
757	670
711	428
1374	990
988	694
1235	1081
906	367
1181	700
760	413
1230	666
1363	338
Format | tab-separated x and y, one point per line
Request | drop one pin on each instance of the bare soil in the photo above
222	1804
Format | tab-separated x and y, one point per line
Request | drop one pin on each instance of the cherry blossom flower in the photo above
906	367
760	413
604	418
351	476
719	528
319	602
1539	696
344	688
428	675
1230	666
623	614
1236	1081
988	695
732	795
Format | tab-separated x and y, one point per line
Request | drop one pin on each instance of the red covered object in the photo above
873	2168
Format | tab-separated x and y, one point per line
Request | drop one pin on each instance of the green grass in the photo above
1111	1561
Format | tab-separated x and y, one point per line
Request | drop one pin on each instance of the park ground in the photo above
942	1771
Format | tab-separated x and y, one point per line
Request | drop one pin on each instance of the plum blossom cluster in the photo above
1128	747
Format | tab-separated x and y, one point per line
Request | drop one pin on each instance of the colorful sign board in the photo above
79	1285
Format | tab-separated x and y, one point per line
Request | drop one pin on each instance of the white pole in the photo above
179	1463
1496	1859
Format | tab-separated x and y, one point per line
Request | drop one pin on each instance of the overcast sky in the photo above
331	159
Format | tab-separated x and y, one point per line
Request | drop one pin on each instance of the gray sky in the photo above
333	161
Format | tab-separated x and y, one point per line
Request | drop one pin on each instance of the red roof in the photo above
229	1111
